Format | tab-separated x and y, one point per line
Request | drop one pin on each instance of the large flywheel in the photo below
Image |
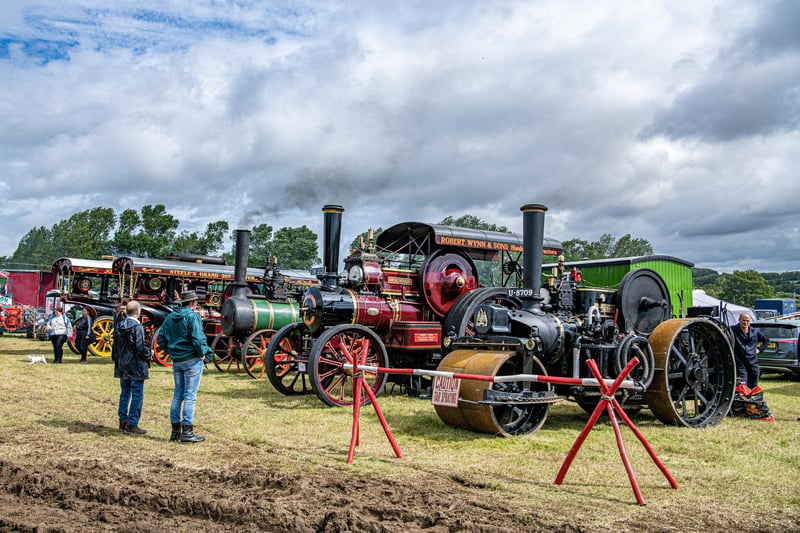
643	301
474	413
446	277
695	373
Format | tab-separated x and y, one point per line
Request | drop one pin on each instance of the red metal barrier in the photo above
610	404
607	403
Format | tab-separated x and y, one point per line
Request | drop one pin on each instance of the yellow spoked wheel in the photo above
103	329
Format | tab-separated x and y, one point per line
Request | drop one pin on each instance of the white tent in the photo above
732	311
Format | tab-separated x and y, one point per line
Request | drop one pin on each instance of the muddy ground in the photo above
62	473
97	495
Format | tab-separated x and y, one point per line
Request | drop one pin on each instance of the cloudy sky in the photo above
677	122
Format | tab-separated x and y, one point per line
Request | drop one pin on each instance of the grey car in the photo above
780	355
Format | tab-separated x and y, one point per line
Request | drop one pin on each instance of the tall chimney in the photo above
533	241
242	255
333	231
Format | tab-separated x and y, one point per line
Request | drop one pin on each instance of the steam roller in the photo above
686	373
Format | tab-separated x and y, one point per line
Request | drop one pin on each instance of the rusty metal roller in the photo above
507	420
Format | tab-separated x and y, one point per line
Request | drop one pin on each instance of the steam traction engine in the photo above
686	375
406	318
388	305
250	319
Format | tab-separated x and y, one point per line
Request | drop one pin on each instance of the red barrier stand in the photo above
607	402
611	405
358	384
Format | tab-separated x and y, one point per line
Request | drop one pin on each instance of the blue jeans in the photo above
131	398
187	376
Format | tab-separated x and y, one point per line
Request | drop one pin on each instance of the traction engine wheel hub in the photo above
696	371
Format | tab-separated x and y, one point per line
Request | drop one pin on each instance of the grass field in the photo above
279	463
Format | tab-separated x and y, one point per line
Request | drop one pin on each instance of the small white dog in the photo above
33	359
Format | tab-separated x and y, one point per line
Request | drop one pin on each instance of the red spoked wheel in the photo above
287	360
254	352
159	355
337	346
226	353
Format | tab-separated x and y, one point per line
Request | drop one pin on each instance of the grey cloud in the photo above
752	88
738	104
773	32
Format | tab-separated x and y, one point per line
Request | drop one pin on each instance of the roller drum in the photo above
504	420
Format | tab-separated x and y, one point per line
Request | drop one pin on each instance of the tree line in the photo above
153	232
744	287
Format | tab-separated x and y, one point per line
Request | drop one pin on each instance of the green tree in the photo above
85	234
261	250
364	236
208	243
471	221
150	233
35	250
606	246
627	246
744	287
702	277
296	248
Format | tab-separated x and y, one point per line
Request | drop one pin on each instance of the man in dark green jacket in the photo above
182	337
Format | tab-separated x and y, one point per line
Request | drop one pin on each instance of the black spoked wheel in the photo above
287	361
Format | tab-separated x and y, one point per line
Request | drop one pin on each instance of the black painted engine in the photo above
686	374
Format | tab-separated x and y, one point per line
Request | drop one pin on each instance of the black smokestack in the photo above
533	239
242	255
333	232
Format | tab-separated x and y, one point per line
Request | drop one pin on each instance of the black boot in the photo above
176	431
188	436
136	430
123	424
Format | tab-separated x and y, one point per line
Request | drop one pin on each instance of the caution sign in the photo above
445	391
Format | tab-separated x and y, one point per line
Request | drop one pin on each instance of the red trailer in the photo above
16	314
30	286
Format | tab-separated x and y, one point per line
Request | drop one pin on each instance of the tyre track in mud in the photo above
93	496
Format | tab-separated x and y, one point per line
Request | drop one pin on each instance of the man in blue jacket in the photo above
746	346
132	367
182	337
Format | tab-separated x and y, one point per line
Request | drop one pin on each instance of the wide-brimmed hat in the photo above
189	296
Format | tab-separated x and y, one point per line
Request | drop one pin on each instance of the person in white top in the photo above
60	329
